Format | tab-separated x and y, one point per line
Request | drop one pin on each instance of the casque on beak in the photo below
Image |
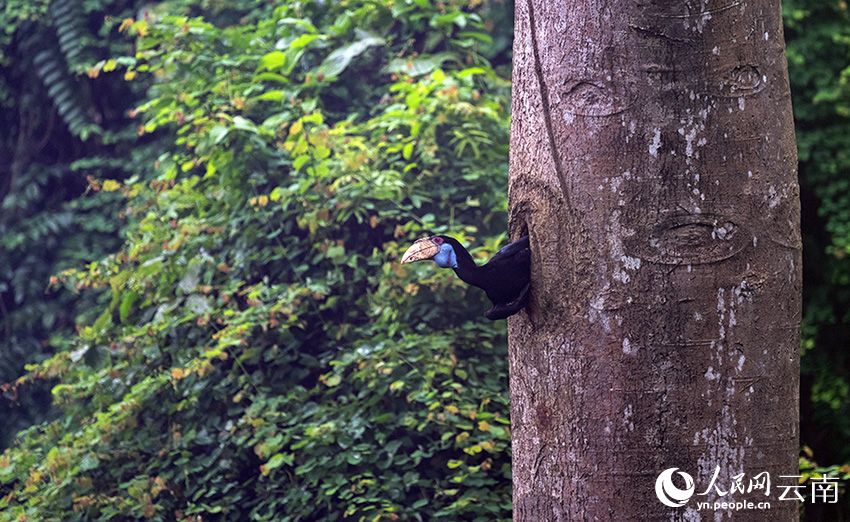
421	250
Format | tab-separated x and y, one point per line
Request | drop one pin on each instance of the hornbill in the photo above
505	278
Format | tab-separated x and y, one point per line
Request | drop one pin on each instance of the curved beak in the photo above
421	250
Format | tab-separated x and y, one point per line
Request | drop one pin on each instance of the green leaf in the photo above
273	60
271	96
245	124
354	458
339	59
300	161
126	306
271	77
89	462
303	41
276	461
419	65
218	133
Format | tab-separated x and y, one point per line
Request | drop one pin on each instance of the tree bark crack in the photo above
703	13
547	111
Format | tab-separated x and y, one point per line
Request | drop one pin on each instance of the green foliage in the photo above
47	155
43	230
818	36
260	352
15	15
52	40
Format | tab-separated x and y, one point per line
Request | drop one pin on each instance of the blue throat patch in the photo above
446	258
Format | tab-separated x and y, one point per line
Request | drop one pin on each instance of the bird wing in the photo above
509	271
513	248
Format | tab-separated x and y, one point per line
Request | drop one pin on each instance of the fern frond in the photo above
69	21
65	92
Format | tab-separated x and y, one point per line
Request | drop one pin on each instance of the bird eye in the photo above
438	240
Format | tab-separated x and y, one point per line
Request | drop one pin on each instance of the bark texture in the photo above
653	164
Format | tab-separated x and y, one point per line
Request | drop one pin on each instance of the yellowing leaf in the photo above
110	185
125	24
158	486
141	28
473	450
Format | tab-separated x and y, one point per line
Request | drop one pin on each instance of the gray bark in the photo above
653	164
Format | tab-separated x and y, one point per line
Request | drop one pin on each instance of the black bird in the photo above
505	278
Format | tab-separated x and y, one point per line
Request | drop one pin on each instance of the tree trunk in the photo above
653	164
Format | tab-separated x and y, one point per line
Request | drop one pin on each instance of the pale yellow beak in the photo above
421	250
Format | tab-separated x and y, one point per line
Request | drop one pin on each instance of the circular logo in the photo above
668	493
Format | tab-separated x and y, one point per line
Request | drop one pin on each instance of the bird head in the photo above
434	247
